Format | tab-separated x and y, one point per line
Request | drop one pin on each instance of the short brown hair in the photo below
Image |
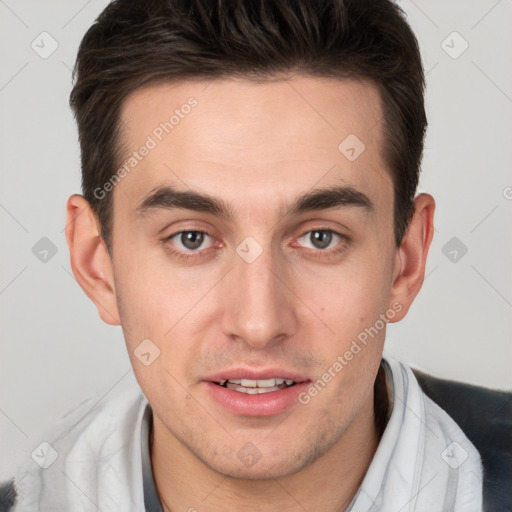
138	42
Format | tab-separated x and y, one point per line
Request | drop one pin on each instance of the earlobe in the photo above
90	261
411	256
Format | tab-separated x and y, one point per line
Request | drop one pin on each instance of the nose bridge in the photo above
259	309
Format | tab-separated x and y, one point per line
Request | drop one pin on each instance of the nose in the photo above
258	302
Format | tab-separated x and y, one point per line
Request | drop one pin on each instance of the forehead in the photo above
236	137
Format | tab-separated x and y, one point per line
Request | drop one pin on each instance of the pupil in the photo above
192	239
321	239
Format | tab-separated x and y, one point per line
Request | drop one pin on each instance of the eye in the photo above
190	241
321	239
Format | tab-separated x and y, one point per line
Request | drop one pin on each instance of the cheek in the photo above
350	300
350	296
154	294
153	310
163	304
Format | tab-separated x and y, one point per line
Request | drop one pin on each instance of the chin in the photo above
269	470
249	463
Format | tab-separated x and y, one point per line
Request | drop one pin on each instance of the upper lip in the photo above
255	374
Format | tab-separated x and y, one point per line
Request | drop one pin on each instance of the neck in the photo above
328	484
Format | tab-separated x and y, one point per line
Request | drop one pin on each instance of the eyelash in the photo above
316	253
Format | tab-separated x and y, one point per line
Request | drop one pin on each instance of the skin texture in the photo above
256	147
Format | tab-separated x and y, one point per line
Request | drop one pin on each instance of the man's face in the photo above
267	290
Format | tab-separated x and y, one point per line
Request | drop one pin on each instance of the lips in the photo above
252	392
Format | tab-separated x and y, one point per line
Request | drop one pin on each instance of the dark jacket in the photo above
485	416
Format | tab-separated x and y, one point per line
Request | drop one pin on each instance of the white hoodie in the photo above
98	459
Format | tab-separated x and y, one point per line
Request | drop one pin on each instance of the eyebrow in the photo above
169	198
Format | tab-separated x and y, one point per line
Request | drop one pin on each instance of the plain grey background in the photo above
55	351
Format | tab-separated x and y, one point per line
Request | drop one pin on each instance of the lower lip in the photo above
264	404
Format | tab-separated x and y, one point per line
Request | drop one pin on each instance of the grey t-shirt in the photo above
151	501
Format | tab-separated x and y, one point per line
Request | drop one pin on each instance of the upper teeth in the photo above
260	383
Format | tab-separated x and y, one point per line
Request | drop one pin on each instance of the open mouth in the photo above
256	387
265	396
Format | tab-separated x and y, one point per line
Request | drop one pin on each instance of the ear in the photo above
411	256
90	260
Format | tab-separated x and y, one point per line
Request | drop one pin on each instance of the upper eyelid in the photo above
330	230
